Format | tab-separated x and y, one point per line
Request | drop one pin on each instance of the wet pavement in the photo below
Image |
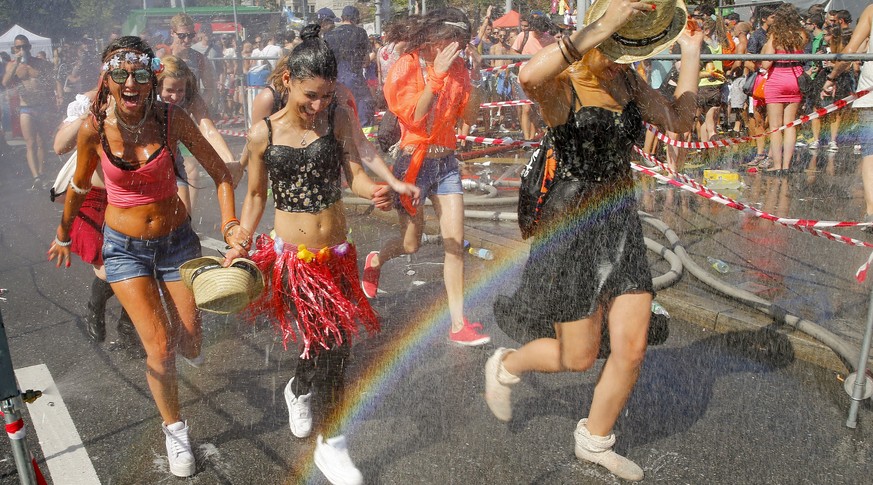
710	407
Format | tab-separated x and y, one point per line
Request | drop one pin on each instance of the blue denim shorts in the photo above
128	257
865	131
438	176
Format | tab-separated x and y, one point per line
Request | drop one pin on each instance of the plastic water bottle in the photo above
431	239
657	309
718	264
481	253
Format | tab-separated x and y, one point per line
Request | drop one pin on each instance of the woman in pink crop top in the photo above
147	233
781	92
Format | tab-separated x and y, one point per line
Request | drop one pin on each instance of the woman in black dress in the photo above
588	264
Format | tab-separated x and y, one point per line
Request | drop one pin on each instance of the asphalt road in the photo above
709	407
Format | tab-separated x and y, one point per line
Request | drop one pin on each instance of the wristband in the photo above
79	190
63	244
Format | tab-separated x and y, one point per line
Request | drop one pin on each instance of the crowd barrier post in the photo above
859	384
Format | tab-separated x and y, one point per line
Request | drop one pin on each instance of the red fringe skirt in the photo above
316	295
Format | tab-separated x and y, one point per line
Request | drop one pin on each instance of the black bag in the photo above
389	131
749	83
536	178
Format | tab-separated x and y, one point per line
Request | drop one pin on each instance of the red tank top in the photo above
132	187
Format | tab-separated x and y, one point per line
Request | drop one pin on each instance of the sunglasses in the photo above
17	48
183	36
141	76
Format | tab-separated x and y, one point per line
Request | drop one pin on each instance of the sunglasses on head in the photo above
141	76
183	35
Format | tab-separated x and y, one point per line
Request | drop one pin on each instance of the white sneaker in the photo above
332	458
813	145
498	394
179	449
196	362
598	450
833	147
299	412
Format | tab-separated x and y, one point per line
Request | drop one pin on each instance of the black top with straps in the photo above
305	179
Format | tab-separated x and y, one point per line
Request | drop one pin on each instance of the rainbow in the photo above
382	374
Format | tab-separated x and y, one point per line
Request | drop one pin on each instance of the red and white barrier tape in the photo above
818	113
498	141
232	133
16	430
506	103
229	120
685	183
500	68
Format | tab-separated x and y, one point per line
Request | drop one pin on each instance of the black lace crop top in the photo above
595	144
305	179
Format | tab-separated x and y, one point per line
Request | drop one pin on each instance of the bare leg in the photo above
29	131
140	297
185	316
774	115
628	329
790	135
867	179
411	228
450	211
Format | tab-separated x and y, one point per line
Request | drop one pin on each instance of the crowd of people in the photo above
140	117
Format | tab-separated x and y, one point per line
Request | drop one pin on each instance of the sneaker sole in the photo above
183	471
472	343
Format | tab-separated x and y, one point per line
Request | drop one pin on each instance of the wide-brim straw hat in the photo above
222	290
645	34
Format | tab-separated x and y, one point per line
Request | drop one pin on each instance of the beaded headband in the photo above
154	64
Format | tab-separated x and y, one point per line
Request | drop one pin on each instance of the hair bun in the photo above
311	31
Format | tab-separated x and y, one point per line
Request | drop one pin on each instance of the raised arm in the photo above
539	76
675	114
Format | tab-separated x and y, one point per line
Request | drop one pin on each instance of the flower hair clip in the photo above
156	65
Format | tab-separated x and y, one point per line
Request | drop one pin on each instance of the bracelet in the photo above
79	190
571	49
63	244
563	49
227	228
228	223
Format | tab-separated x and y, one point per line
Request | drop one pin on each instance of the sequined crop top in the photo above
305	179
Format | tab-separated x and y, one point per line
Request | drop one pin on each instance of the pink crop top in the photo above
128	186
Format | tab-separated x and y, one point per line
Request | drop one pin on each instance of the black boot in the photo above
95	321
127	339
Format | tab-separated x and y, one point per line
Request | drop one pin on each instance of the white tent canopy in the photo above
38	42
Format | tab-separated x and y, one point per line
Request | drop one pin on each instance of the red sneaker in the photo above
469	335
370	281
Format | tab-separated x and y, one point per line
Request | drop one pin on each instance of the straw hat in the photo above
222	290
645	34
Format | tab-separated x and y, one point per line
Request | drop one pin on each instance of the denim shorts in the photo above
438	176
865	131
128	257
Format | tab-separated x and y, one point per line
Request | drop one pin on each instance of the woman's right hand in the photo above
62	253
445	58
620	12
690	42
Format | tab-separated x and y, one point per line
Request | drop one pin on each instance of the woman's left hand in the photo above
62	253
382	198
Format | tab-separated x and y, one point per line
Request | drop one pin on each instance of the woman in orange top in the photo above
430	90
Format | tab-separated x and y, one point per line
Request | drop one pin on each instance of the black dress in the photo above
591	248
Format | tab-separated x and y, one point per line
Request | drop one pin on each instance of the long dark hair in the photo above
312	58
127	43
441	24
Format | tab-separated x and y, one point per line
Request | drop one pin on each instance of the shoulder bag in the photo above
536	179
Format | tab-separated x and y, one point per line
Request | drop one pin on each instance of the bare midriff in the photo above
148	221
316	231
